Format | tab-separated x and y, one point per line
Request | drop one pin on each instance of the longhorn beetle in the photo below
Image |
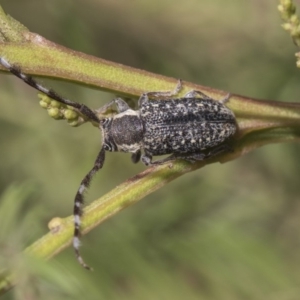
194	127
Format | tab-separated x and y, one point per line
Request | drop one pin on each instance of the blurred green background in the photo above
227	231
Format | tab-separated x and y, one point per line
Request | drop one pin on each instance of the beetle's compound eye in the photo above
110	146
107	147
103	121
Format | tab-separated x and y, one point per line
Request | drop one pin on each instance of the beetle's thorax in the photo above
123	132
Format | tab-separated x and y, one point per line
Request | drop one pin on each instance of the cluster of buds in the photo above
291	23
59	111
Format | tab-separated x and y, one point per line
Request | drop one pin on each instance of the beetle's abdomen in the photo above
185	125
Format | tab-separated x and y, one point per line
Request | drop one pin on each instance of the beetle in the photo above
193	128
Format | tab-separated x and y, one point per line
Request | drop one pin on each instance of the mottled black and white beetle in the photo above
194	127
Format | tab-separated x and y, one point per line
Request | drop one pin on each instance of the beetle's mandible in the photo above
194	127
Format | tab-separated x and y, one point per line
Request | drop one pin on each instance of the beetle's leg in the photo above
163	94
120	103
226	98
160	94
223	148
194	94
198	156
147	159
135	157
191	157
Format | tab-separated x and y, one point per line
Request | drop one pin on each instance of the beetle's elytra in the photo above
194	127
